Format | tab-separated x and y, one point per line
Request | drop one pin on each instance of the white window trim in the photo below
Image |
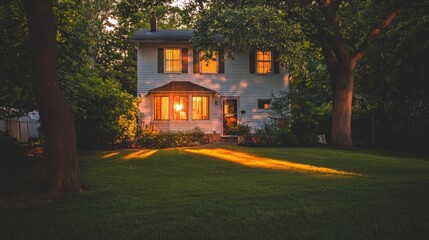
209	110
271	62
165	60
189	113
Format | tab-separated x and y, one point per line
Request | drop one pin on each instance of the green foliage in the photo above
118	55
150	138
242	130
295	110
15	84
106	116
392	86
332	32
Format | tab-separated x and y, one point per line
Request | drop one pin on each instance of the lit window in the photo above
263	62
209	65
200	108
172	60
161	108
264	103
180	107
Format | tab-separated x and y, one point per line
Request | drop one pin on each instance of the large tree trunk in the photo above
342	65
61	166
341	133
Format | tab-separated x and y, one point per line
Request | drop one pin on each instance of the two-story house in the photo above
181	92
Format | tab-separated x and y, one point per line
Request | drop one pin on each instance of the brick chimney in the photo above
153	22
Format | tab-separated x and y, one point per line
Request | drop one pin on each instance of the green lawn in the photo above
182	194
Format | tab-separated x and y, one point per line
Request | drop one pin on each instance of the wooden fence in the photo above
20	129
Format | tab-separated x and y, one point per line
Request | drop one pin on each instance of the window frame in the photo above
186	108
208	107
264	61
200	55
154	108
179	60
259	100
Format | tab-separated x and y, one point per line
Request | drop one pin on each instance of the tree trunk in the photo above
60	171
341	133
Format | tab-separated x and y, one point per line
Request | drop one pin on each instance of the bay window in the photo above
180	107
200	108
161	108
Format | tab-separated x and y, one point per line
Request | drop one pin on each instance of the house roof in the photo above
181	86
145	35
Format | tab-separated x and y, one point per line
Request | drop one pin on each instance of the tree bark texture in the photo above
341	133
60	171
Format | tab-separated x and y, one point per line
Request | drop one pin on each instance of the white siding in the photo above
235	82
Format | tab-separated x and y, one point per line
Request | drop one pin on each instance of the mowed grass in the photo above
189	194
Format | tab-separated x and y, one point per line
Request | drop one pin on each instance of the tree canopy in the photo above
343	31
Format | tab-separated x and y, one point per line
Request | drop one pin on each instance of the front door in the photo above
229	114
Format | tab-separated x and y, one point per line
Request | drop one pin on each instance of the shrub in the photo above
12	152
296	121
106	116
151	138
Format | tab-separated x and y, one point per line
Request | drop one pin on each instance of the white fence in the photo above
20	128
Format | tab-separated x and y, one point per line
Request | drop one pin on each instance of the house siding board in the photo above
235	82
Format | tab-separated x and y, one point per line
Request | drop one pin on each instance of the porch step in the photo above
228	139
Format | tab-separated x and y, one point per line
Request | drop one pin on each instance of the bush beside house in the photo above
151	138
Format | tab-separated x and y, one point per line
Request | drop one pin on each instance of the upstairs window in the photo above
209	65
161	108
263	62
173	60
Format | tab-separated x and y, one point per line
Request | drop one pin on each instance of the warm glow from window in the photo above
161	108
172	60
200	108
253	161
109	155
178	107
209	65
142	154
180	104
263	62
264	103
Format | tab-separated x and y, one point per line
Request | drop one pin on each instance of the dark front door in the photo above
229	114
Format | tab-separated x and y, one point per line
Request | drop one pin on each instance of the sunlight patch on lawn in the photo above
268	163
108	155
140	154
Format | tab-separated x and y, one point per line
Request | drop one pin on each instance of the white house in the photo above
180	92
